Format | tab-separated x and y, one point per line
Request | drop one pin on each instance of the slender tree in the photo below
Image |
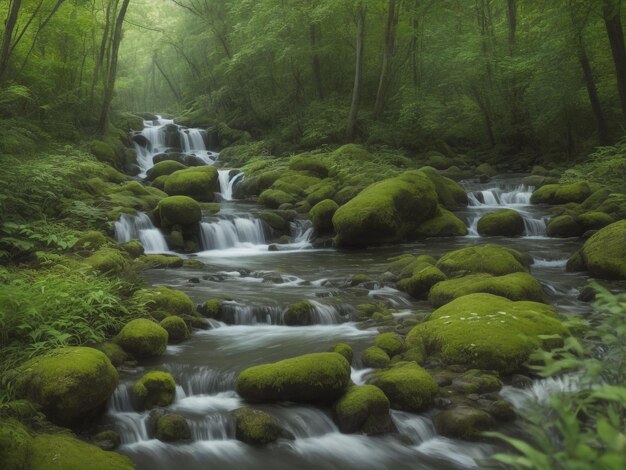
358	72
613	23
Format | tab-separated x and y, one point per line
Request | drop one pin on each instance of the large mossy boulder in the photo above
15	445
564	226
407	386
451	195
594	220
199	183
164	168
142	338
514	286
375	358
387	211
604	254
491	259
561	193
176	328
68	384
310	164
171	301
256	427
443	224
463	422
65	452
486	331
179	210
154	389
363	408
311	378
322	215
503	222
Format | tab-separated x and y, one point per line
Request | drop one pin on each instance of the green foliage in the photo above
606	166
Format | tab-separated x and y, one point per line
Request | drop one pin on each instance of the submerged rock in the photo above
363	408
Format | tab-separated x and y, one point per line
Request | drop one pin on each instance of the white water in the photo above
232	233
140	227
227	183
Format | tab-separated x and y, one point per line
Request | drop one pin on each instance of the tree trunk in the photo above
110	83
167	79
358	73
613	23
9	27
592	91
379	106
511	14
315	62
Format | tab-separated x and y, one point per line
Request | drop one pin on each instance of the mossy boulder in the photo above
485	169
172	301
311	378
114	352
486	331
391	343
564	226
451	195
321	191
108	261
309	164
275	221
172	428
363	408
164	168
561	193
407	386
492	259
375	357
594	220
199	183
503	222
476	381
274	198
68	384
15	445
299	314
387	211
322	215
105	153
178	210
345	350
514	286
176	328
463	422
65	452
142	338
160	261
133	248
212	308
424	277
604	254
256	427
443	224
91	240
154	389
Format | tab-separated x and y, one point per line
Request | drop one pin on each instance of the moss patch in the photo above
154	389
142	338
407	386
375	357
199	183
503	222
492	259
256	427
363	408
604	254
176	328
322	215
178	210
172	428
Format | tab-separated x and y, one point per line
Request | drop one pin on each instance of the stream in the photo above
257	285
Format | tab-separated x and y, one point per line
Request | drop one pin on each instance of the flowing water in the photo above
257	284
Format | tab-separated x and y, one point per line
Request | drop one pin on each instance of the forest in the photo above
340	234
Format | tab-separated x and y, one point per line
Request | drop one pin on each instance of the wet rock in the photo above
172	428
463	422
364	408
521	381
154	389
256	427
586	294
477	381
107	440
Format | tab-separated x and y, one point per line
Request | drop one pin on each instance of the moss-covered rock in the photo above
160	262
15	445
172	428
451	195
154	389
345	350
69	384
105	153
363	408
407	386
321	191
164	168
114	352
310	164
256	427
172	301
564	226
594	220
375	357
142	338
424	277
485	169
65	452
443	224
91	240
178	210
463	422
387	211
486	331
133	248
299	314
322	215
604	254
476	381
503	222
492	259
318	377
391	343
561	193
108	261
199	183
176	328
514	286
274	198
212	308
275	221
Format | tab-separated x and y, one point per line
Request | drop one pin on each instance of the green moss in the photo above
114	352
486	331
322	215
492	259
407	386
274	198
476	381
160	262
387	211
443	224
108	261
310	164
176	328
438	160
564	226
391	343
164	168
199	183
154	389
64	452
485	169
142	338
514	286
68	384
172	428
375	357
463	422
104	153
212	308
320	192
352	152
345	194
298	314
275	221
359	279
451	195
594	220
561	193
15	445
256	427
363	408
178	210
318	377
424	277
110	439
295	184
604	254
133	248
172	301
345	350
503	222
91	240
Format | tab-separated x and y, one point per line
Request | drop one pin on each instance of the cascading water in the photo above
227	183
232	233
140	227
301	232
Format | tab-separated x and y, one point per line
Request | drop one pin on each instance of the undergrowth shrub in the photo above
607	166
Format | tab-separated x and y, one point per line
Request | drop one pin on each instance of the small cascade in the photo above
140	227
227	183
236	313
232	233
301	232
535	227
501	197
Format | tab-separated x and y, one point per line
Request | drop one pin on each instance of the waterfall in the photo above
534	227
140	227
232	233
227	183
301	232
499	197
